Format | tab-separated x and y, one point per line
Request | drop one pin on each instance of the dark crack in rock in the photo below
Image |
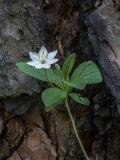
1	125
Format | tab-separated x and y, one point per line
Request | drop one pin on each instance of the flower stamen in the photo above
47	56
39	56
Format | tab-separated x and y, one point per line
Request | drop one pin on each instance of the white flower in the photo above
43	59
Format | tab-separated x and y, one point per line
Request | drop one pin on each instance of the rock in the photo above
60	127
4	149
14	133
22	30
114	141
98	148
15	156
37	146
102	42
103	32
22	104
34	118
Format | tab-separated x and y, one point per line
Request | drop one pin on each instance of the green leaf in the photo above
90	71
31	71
52	97
77	98
54	76
78	82
68	65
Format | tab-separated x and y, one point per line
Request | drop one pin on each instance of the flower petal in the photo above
31	63
34	56
39	66
46	65
43	52
51	55
51	61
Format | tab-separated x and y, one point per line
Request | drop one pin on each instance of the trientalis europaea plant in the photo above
62	81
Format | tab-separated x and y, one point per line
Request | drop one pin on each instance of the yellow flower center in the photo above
43	61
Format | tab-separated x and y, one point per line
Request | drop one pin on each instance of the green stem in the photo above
75	130
48	79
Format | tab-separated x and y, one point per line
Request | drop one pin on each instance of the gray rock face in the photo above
104	34
25	26
21	30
